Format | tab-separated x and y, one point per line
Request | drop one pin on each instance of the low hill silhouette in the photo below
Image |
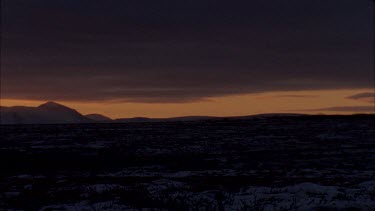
55	113
98	117
47	113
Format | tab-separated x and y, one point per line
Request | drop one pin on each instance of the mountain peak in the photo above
51	104
46	113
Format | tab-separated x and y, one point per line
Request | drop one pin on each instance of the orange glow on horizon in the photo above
236	105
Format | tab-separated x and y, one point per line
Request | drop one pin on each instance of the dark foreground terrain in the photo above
264	163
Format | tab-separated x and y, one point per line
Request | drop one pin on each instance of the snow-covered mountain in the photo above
47	113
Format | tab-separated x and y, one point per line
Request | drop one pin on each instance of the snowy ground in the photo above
273	163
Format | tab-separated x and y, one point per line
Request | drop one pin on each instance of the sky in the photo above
175	58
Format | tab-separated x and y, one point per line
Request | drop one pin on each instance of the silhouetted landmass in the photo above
54	113
98	117
173	119
47	113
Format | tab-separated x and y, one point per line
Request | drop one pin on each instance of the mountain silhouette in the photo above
47	113
171	119
98	117
54	106
55	113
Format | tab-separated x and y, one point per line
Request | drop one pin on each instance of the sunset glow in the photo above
310	102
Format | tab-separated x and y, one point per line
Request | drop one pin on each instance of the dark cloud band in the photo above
354	109
163	51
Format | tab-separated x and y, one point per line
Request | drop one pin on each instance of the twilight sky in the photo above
170	58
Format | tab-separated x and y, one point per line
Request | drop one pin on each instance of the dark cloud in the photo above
365	96
179	51
365	109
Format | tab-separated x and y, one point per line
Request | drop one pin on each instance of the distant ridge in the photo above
47	113
197	118
98	117
55	113
172	119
